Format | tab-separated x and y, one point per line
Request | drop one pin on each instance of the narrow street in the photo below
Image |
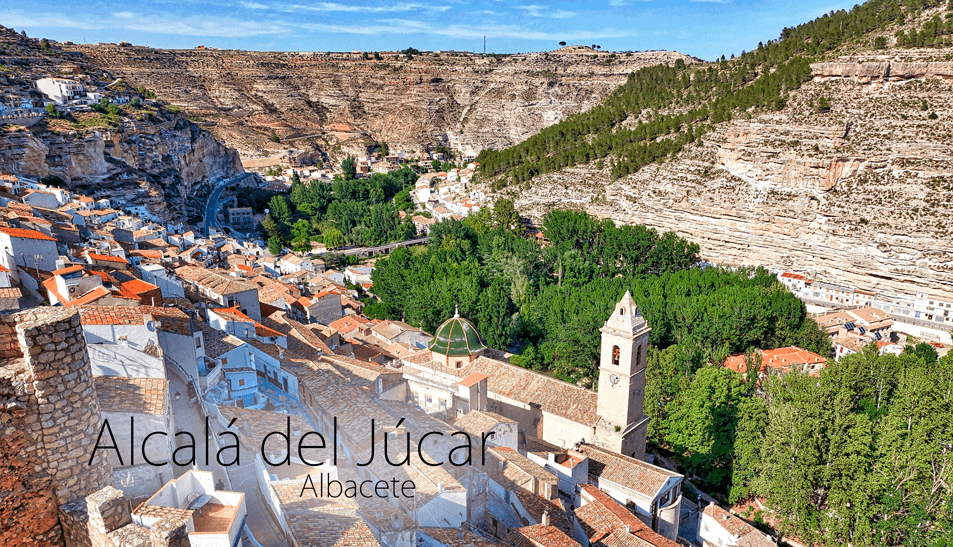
189	417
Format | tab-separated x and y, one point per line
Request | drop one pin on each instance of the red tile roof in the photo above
236	315
132	395
539	535
10	292
782	359
603	516
135	288
88	298
68	270
112	315
106	258
347	324
473	379
25	234
625	471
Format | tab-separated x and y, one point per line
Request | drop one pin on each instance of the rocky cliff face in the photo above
152	156
860	194
466	101
164	163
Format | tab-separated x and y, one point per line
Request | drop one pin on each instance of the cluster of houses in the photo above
853	319
922	315
446	194
66	94
175	321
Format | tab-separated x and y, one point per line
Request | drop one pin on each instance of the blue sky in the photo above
704	28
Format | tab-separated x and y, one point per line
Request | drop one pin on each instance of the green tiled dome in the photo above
456	337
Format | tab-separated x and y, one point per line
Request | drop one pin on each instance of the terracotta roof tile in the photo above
539	535
604	521
625	471
107	258
748	535
132	395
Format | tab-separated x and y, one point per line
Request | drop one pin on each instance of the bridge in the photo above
368	252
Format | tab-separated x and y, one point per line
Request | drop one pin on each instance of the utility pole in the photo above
484	44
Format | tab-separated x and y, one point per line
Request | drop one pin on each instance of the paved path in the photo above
259	520
211	208
189	417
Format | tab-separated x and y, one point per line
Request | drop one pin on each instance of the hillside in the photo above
826	152
322	103
156	156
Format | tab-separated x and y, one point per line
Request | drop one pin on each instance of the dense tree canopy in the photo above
348	211
861	456
550	302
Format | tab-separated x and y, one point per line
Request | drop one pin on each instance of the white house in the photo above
215	517
27	248
60	90
719	528
147	401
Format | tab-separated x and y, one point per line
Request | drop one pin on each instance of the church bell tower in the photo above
625	336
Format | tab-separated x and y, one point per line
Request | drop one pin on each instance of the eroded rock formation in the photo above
462	100
861	194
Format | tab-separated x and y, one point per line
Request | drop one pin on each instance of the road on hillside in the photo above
211	208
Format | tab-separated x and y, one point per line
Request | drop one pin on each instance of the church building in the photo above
458	373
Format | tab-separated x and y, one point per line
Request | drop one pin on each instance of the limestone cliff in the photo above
153	156
860	194
466	101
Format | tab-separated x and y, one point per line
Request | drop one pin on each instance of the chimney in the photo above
460	534
545	518
440	487
628	528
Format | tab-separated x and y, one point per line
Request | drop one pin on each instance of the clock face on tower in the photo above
614	378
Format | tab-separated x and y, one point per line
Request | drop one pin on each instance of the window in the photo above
198	342
638	357
615	355
241	383
224	361
458	364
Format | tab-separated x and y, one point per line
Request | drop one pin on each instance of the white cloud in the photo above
535	10
19	20
469	32
337	7
624	3
211	27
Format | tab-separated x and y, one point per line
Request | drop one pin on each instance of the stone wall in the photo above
27	503
51	492
54	351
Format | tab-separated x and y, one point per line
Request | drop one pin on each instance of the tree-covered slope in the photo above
662	108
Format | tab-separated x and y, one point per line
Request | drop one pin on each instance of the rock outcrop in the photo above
155	157
883	71
461	100
859	195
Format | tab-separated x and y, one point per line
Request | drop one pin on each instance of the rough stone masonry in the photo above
51	493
